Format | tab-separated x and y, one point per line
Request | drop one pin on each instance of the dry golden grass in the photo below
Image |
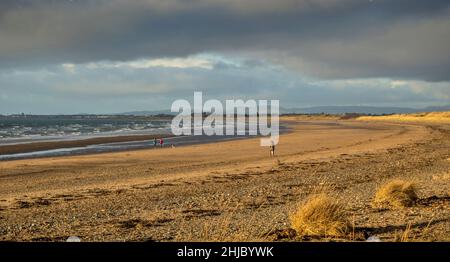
442	176
223	229
438	117
320	215
396	193
405	235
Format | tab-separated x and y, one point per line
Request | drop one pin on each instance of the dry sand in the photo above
233	190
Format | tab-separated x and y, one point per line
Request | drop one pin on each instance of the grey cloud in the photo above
55	90
323	38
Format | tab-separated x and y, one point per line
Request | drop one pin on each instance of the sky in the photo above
111	56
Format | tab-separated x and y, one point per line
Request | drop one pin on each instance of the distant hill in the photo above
437	108
147	113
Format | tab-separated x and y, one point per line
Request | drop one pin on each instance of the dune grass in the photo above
396	193
320	215
438	117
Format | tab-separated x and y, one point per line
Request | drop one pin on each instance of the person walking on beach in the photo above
155	142
161	142
272	149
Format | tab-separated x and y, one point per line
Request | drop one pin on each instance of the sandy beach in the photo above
233	190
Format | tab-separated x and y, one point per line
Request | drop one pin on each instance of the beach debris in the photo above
73	239
373	239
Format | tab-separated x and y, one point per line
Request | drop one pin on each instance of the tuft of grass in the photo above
320	215
405	236
396	193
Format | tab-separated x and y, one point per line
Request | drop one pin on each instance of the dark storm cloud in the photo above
323	38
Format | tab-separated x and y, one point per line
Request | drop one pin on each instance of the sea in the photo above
23	129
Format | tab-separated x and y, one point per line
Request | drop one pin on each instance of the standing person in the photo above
155	142
161	142
272	149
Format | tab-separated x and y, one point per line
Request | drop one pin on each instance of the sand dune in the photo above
436	117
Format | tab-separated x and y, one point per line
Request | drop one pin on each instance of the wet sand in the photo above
40	146
230	190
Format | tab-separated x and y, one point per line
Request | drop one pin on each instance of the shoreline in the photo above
108	144
49	145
